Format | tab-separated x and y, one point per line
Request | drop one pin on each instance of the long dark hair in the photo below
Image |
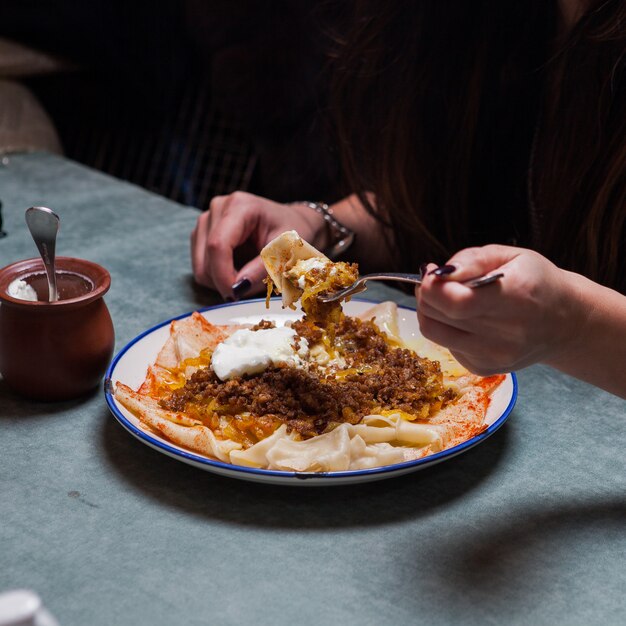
444	107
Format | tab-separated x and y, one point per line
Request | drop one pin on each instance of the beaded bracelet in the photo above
341	236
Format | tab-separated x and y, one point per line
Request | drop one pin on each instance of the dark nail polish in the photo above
423	268
241	287
444	270
229	299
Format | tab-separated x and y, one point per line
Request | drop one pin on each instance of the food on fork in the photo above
323	393
298	271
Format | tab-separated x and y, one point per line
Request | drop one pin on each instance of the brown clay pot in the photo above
55	350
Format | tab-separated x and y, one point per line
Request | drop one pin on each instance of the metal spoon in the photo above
43	224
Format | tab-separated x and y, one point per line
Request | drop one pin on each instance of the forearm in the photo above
373	248
596	352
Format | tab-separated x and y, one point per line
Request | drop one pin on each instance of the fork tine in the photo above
353	292
344	293
357	287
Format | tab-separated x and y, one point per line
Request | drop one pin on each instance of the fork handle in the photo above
416	279
401	277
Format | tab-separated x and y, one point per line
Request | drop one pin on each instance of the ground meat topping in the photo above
264	325
312	333
310	401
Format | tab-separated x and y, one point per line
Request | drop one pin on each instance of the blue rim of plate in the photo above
233	470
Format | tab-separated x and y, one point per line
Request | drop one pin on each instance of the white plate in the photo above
131	363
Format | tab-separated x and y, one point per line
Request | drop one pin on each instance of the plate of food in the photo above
292	390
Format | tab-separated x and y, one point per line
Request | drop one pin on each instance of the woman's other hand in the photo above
533	314
243	218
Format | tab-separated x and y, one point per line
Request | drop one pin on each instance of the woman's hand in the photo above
242	218
533	314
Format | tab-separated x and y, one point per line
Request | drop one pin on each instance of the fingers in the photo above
444	334
233	221
478	366
253	272
234	228
472	262
198	250
229	222
445	291
453	314
460	322
455	303
485	352
507	324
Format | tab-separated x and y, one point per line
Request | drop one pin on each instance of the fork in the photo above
359	285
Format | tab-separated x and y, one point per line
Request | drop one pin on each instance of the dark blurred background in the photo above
189	99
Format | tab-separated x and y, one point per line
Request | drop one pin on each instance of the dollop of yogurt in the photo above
253	351
21	290
306	265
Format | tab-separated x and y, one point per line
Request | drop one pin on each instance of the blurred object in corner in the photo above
24	124
23	607
18	60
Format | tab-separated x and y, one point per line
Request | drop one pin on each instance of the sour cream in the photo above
306	265
21	290
253	351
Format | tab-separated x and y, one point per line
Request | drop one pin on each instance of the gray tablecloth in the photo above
527	528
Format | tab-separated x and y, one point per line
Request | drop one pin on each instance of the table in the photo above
527	528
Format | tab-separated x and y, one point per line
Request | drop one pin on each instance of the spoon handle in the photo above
43	224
